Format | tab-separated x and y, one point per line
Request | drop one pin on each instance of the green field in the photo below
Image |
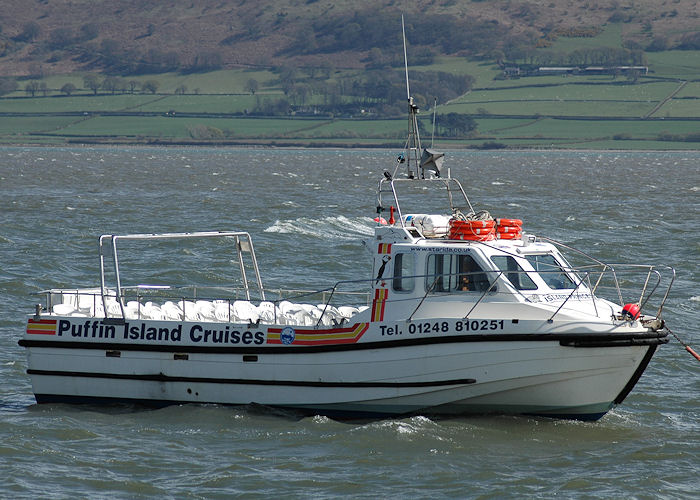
555	108
22	125
179	128
565	129
678	64
358	128
73	104
201	104
577	90
680	108
690	90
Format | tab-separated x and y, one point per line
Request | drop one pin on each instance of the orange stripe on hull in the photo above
41	327
348	335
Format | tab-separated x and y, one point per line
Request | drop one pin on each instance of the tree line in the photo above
599	56
381	92
93	83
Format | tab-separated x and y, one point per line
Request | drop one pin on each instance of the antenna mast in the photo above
432	140
413	147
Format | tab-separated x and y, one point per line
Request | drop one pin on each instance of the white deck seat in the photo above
221	310
206	310
171	311
285	312
244	311
64	309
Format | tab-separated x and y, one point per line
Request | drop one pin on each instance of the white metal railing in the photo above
640	291
452	186
243	243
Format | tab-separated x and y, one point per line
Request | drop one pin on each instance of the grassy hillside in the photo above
44	37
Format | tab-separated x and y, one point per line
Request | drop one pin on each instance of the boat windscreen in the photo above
516	275
551	271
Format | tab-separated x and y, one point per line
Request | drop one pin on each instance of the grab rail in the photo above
243	243
450	184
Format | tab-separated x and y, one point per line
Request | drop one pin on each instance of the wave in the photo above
340	227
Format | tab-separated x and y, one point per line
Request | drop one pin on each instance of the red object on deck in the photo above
631	310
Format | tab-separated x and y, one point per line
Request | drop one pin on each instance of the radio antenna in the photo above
413	147
405	58
432	140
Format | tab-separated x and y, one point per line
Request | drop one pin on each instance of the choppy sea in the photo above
308	212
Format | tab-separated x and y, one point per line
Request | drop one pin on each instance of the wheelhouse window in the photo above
404	272
513	272
551	271
455	273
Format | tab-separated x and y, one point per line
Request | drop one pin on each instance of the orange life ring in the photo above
473	223
509	236
475	230
509	222
509	229
473	237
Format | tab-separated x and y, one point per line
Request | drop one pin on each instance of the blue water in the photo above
307	212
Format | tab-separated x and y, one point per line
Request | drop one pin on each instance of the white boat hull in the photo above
445	374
